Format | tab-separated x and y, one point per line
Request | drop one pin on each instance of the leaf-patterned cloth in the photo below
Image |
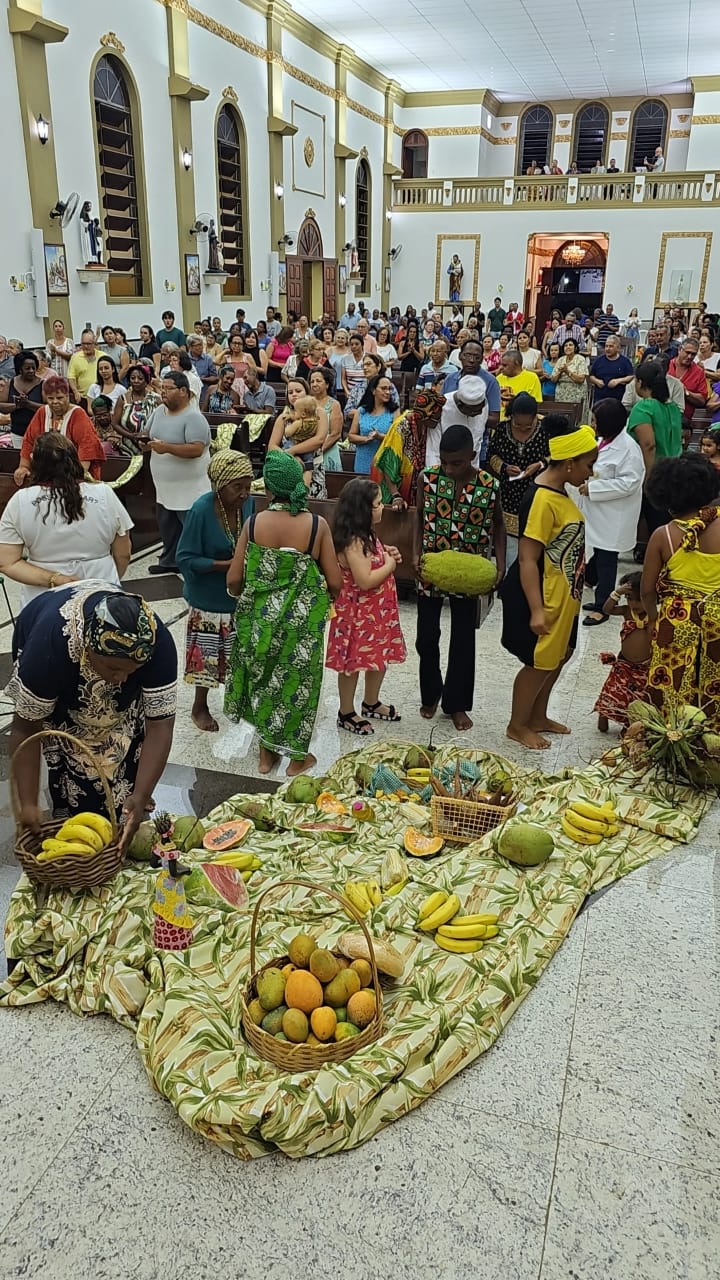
93	950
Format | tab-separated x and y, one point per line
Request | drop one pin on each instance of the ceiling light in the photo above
42	127
573	254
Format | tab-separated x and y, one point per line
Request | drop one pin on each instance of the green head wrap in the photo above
121	626
283	476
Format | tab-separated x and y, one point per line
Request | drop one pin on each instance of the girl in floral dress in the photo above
365	633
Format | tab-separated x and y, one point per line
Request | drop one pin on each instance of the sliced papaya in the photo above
227	836
422	846
328	803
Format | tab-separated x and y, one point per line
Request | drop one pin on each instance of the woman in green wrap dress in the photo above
284	574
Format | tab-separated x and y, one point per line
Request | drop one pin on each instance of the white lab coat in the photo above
612	506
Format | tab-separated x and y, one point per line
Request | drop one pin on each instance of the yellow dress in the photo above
549	517
685	659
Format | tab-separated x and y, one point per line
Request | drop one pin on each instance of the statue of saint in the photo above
90	236
456	273
213	248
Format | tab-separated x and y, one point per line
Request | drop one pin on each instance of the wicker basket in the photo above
464	821
303	1057
65	873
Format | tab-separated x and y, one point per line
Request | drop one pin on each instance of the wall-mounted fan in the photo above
395	253
65	209
201	225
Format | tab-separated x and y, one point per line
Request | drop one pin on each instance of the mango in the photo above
271	989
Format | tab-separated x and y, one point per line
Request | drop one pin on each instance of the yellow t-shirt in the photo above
82	372
526	380
554	520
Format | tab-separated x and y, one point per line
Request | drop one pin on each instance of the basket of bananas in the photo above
80	852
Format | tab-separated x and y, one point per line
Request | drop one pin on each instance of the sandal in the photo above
374	714
352	723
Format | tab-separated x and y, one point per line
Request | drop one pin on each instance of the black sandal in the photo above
374	714
352	723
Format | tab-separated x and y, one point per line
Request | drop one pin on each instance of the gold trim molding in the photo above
562	137
679	133
439	242
706	120
707	236
618	137
111	41
229	92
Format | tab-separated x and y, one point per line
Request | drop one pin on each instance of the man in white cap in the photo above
467	406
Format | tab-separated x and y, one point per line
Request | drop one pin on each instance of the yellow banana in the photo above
587	824
96	822
443	914
374	892
431	904
613	830
460	946
395	888
463	930
357	896
76	832
68	850
419	775
485	917
600	813
240	861
580	837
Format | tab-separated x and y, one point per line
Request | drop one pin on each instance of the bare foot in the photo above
268	760
203	720
300	766
461	720
428	713
549	726
527	737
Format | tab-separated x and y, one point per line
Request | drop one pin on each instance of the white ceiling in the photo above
529	50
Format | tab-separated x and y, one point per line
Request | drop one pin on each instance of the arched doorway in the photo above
564	272
311	277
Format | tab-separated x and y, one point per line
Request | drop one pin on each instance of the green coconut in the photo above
363	775
141	845
459	572
303	790
188	832
525	843
256	811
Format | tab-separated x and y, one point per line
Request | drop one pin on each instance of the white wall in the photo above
17	312
635	237
362	132
704	141
296	203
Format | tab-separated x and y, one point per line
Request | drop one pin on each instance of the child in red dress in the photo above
365	633
627	680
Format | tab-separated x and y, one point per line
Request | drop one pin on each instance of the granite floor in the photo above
584	1146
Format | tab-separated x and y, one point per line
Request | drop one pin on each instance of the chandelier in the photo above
573	254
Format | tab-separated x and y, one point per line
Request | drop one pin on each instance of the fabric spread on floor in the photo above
93	951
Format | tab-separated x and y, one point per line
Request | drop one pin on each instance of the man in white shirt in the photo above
179	447
675	387
657	164
468	406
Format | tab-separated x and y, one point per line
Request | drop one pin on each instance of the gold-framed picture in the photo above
457	266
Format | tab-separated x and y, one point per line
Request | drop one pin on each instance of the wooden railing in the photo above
629	190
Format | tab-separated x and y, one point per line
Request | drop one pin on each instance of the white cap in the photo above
471	390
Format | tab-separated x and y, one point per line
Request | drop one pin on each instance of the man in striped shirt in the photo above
608	325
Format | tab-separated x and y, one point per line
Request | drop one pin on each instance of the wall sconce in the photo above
16	285
388	214
279	190
499	289
42	128
630	288
169	286
186	157
342	200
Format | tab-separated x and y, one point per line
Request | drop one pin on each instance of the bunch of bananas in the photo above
453	932
363	895
420	777
80	837
587	823
245	863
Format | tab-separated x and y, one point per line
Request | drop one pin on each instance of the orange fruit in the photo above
323	1022
361	1008
303	991
287	969
364	971
351	978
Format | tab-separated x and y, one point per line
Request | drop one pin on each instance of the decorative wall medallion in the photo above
564	124
308	152
621	119
684	118
229	92
111	41
506	124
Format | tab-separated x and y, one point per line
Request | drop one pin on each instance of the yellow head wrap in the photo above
573	445
228	465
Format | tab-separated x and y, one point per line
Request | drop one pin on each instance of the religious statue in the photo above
90	236
456	273
213	248
354	261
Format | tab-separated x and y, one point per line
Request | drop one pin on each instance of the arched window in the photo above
535	135
231	200
649	130
591	136
362	223
116	125
415	154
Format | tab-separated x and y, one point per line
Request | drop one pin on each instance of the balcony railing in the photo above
629	190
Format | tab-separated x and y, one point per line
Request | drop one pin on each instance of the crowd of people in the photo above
552	453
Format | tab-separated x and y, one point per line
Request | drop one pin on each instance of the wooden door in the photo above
330	287
294	277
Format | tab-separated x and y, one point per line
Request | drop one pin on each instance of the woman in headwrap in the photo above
284	573
99	664
401	455
205	551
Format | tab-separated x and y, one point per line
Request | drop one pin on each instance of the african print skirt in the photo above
626	683
208	644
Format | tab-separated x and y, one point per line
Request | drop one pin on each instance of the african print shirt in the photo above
457	519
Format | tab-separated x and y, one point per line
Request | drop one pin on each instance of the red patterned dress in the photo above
365	633
626	682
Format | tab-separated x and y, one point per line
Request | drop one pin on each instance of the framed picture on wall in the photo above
387	279
342	278
192	273
56	271
282	278
457	261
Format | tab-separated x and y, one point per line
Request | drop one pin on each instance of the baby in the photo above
303	425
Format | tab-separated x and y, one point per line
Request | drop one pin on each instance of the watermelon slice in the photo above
336	832
212	885
227	836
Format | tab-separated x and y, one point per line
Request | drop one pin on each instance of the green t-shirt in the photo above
666	422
